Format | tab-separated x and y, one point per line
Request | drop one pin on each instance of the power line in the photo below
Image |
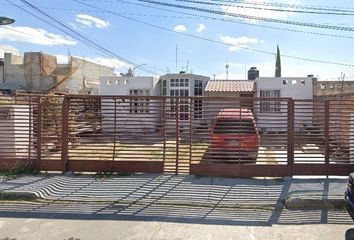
191	16
237	21
313	25
286	5
78	36
216	41
336	12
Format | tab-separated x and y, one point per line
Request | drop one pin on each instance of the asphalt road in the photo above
37	229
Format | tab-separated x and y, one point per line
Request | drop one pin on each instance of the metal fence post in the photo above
291	135
190	132
326	133
30	130
164	131
114	129
39	133
65	133
177	133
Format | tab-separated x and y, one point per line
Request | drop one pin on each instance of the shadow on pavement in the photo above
171	198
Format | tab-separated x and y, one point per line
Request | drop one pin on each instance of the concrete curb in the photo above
313	200
22	196
292	202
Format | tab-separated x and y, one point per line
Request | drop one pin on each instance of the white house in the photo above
184	85
130	103
272	115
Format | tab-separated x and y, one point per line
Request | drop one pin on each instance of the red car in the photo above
235	137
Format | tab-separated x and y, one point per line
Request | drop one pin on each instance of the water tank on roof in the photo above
253	73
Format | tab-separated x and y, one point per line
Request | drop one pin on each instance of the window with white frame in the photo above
164	87
198	91
141	104
270	106
179	88
198	87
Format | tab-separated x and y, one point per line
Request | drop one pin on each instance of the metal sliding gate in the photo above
179	135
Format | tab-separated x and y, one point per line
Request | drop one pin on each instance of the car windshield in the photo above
234	126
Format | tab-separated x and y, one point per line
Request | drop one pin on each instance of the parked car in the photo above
348	196
235	136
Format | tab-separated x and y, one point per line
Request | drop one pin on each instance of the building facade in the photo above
36	71
183	85
272	114
131	109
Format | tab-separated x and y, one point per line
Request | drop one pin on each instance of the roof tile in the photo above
230	86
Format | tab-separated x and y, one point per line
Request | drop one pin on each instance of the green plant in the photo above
19	168
103	174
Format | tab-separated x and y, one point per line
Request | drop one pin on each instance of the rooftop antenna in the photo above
227	71
187	66
246	73
176	56
214	76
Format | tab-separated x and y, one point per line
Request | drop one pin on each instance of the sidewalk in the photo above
178	197
175	189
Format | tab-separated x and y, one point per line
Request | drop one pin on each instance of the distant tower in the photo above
227	71
278	64
253	73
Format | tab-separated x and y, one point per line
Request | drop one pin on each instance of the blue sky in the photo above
155	47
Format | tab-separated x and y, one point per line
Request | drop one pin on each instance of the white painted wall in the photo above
293	89
290	87
14	131
127	121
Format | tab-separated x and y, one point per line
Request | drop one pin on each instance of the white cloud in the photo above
8	49
238	42
90	21
108	62
201	27
180	28
34	36
258	12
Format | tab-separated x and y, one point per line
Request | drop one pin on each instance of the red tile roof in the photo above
230	86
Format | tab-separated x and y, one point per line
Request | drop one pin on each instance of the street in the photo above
37	229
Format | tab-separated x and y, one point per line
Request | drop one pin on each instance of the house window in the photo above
270	106
183	103
141	104
179	88
198	87
198	109
164	87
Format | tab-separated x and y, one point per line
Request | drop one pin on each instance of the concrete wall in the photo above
325	88
85	77
14	77
38	71
126	121
296	88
